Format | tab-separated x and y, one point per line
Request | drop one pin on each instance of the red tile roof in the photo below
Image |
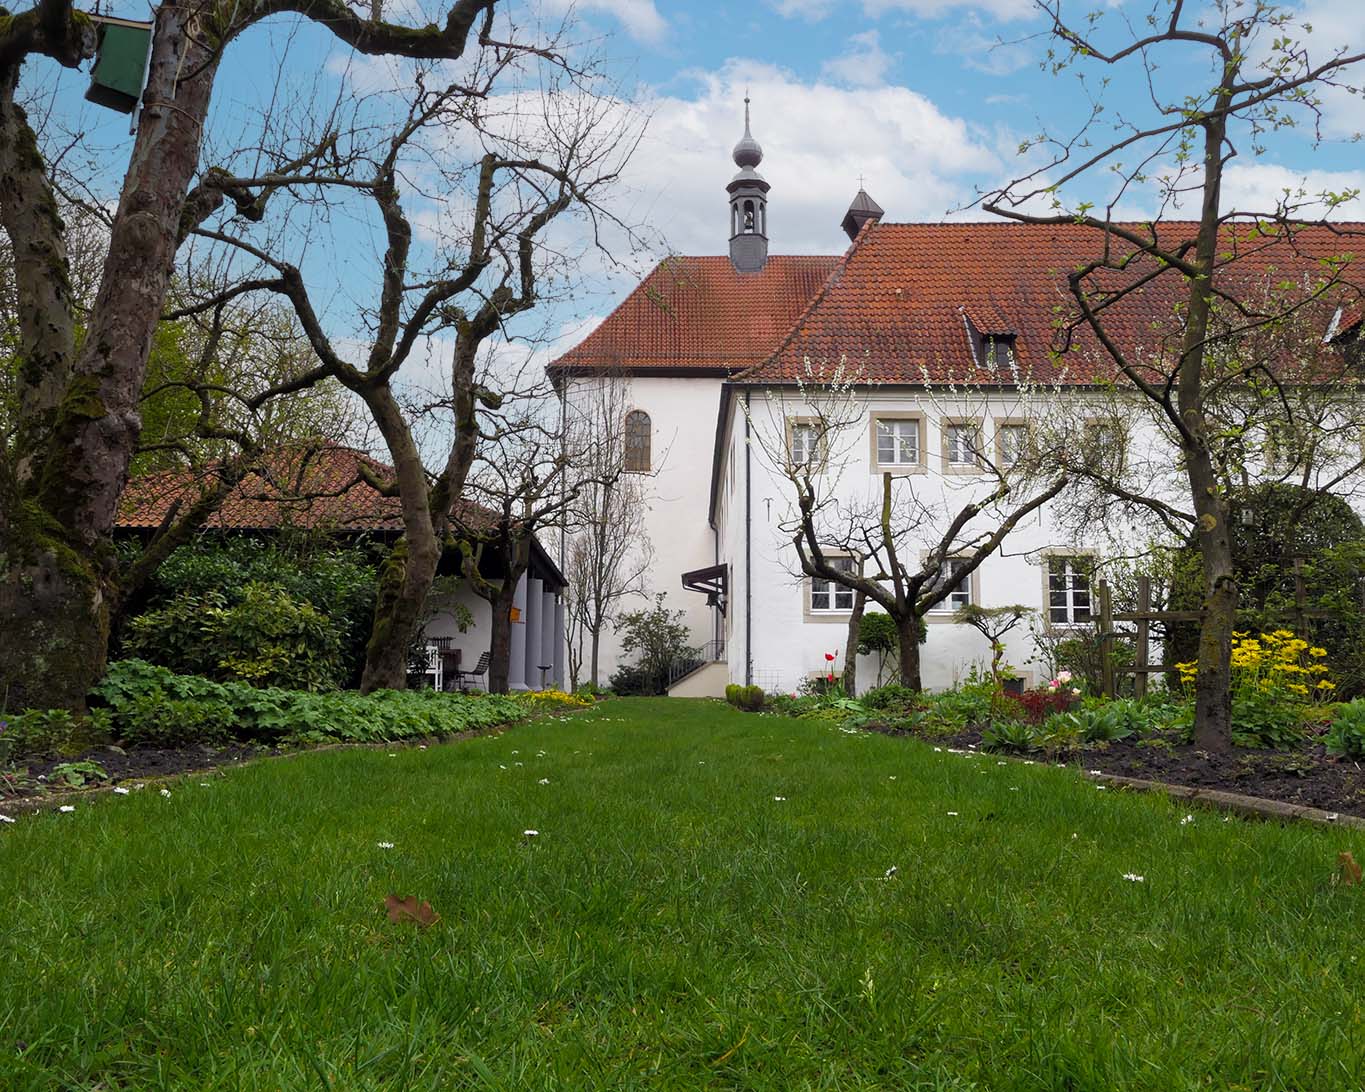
700	313
895	306
315	489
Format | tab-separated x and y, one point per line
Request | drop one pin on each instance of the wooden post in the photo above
1140	654
1106	641
1300	600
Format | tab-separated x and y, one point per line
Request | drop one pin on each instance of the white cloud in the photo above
815	10
978	47
812	10
865	64
1261	187
640	17
817	139
934	9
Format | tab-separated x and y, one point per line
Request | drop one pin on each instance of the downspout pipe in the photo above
748	551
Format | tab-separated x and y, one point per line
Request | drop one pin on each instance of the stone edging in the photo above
1254	807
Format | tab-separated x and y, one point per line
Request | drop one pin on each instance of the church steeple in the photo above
748	204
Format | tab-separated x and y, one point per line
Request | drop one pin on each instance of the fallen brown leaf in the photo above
1348	872
409	909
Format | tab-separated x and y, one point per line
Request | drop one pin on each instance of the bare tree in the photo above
547	154
608	558
61	479
1260	77
531	476
908	548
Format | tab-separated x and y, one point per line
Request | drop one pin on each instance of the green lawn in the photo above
674	925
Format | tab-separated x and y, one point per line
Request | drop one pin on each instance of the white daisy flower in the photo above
1002	762
384	845
1186	820
892	777
530	833
66	808
543	781
952	813
5	819
166	792
939	750
1133	877
1094	773
120	791
890	872
779	798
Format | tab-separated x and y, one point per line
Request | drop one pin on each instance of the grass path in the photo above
674	925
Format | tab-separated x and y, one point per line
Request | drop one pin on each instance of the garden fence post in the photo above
1144	606
1300	599
1106	641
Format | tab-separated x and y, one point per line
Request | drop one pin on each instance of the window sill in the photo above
899	468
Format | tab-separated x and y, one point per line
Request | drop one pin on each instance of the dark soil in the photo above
33	776
1306	775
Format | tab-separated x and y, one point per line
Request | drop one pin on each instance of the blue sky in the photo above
913	95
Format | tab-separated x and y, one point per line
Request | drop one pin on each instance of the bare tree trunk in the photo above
500	643
56	576
907	633
1213	696
855	622
596	646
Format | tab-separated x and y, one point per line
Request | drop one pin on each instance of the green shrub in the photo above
1011	735
152	720
50	732
134	691
337	580
751	698
1262	719
892	696
1347	734
732	693
1100	724
266	637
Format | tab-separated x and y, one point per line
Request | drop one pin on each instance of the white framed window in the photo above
962	445
805	443
898	441
1106	444
826	595
961	595
1011	443
1068	590
1283	449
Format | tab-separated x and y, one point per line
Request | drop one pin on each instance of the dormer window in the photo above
997	350
991	349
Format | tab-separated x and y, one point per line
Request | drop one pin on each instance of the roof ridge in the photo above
864	233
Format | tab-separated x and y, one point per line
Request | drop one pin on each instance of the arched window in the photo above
637	442
748	217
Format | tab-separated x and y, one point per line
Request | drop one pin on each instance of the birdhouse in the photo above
120	70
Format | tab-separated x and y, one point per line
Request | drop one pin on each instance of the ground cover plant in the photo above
1293	743
660	893
146	720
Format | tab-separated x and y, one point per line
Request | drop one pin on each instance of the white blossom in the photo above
120	791
67	808
1133	877
385	845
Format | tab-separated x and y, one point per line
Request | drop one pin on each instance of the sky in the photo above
923	101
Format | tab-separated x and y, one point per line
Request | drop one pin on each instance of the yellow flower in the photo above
1325	684
1318	652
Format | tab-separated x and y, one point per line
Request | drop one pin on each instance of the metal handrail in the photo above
709	653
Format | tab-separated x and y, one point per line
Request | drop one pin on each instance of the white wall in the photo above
682	412
789	642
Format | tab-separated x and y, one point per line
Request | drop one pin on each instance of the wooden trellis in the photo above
1144	616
